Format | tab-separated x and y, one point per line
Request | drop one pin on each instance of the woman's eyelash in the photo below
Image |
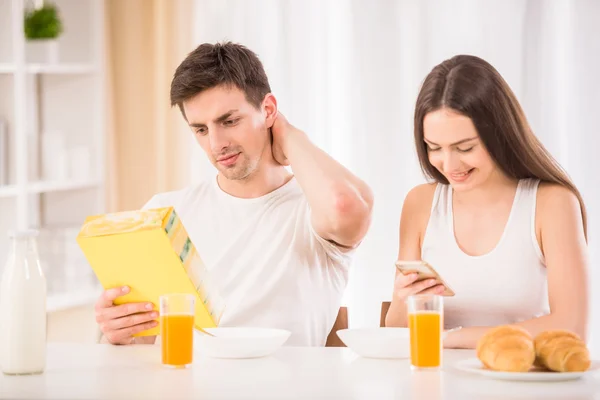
429	148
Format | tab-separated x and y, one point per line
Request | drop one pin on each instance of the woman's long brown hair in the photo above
474	88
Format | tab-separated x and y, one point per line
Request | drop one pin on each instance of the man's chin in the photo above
241	170
233	174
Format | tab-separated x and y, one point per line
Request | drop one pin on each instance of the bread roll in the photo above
507	348
561	351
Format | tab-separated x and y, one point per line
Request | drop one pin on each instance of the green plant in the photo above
43	23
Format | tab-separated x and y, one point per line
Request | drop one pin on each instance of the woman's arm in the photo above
413	221
560	233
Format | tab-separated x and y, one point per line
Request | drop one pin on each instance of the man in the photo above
278	246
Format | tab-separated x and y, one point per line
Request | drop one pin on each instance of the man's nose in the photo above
218	141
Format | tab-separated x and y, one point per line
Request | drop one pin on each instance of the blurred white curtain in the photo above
348	72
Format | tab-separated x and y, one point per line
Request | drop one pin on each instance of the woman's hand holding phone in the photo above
413	277
407	285
418	277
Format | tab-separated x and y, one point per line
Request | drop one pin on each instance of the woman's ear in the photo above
270	109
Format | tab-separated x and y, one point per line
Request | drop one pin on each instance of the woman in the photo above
503	225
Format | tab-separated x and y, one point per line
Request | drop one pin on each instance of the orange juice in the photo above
177	334
425	339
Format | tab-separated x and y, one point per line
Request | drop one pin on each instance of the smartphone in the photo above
423	271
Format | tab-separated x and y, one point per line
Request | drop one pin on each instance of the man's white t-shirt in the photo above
269	265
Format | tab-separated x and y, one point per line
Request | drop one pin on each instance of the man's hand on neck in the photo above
341	203
278	154
279	135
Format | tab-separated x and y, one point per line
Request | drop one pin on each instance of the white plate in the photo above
473	365
239	342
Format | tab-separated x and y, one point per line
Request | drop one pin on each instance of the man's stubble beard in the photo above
249	168
241	172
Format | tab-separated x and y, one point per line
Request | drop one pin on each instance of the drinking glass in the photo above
177	329
425	322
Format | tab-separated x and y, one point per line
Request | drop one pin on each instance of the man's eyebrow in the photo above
225	116
217	120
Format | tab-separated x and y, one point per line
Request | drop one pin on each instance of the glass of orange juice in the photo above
425	322
177	329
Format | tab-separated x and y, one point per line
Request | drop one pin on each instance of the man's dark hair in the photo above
211	65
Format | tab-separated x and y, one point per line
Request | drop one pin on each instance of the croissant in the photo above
561	351
506	348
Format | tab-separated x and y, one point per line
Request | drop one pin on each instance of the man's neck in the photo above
259	184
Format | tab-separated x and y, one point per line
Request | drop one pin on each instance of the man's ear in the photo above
269	107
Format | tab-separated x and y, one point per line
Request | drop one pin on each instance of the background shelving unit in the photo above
55	138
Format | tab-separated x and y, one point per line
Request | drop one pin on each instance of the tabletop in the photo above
102	371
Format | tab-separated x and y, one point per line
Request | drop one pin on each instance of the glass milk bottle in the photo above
23	308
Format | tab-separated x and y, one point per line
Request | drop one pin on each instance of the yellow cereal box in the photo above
151	252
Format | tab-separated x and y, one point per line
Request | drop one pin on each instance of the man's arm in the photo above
341	203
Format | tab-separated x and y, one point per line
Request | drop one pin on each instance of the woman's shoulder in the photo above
419	199
415	218
558	213
420	194
553	197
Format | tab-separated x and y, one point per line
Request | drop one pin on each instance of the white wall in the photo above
348	73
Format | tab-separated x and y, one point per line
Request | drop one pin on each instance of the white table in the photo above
98	371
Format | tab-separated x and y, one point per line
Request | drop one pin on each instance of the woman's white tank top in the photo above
504	286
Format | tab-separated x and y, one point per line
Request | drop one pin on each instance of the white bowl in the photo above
380	342
239	342
377	342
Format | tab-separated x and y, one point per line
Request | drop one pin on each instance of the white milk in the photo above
23	308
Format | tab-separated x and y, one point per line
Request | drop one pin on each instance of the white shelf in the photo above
7	68
69	94
60	69
58	186
86	295
50	69
47	187
8	191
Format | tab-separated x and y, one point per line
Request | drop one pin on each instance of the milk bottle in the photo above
23	308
